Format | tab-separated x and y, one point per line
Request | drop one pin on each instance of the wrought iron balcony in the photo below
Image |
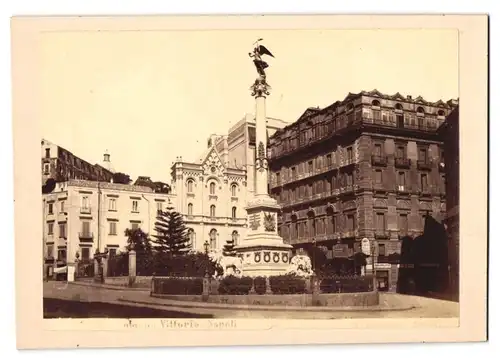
379	187
379	160
388	259
402	188
401	162
280	147
85	210
86	236
426	191
381	234
382	259
424	164
347	189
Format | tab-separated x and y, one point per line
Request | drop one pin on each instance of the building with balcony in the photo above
449	132
364	167
80	216
212	191
61	165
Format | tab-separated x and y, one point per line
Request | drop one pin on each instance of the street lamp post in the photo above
206	245
99	257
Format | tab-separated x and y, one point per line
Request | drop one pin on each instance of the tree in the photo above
171	233
138	241
145	181
228	249
49	186
121	178
161	187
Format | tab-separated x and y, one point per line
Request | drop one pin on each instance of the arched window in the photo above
212	211
190	209
234	188
192	238
376	114
233	212
441	113
212	188
334	182
235	237
190	185
311	221
331	225
398	106
294	227
420	111
213	239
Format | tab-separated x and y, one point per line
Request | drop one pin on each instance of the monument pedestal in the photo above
262	250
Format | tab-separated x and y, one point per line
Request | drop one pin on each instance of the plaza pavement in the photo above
391	305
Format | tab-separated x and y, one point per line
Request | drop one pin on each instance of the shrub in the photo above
287	284
259	284
190	265
178	286
232	285
345	284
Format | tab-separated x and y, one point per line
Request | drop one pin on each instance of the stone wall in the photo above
140	281
298	300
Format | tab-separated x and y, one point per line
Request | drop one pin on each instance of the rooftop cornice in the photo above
311	111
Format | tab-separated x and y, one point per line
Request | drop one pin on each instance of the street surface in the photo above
159	308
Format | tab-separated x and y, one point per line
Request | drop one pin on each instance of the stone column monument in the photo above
262	250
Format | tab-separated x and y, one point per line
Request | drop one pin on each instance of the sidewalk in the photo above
395	305
154	301
108	286
392	305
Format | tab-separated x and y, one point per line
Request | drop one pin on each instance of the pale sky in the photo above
149	96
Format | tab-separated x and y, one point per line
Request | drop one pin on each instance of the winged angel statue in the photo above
258	52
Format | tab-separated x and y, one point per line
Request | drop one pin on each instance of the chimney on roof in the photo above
408	97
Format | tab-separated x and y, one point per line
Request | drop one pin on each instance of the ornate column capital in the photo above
260	88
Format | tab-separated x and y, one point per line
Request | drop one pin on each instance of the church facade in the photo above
211	196
212	192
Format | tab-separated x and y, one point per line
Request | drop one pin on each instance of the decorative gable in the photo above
398	96
441	104
308	112
212	165
350	96
419	99
375	93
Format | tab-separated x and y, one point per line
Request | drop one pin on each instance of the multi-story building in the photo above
62	165
212	192
366	167
449	131
80	216
211	196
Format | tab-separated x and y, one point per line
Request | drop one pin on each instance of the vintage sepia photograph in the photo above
248	173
